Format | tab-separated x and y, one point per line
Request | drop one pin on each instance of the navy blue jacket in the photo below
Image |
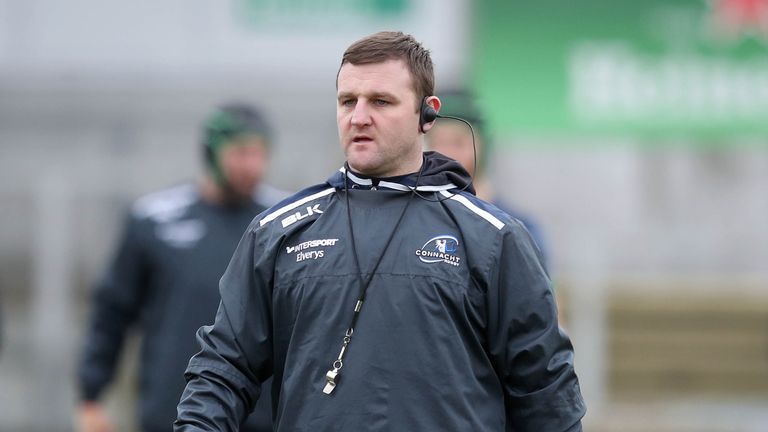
162	281
458	331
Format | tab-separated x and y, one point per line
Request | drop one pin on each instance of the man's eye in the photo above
381	102
348	102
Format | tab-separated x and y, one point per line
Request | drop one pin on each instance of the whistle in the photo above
330	381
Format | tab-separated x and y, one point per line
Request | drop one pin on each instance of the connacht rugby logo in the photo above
440	249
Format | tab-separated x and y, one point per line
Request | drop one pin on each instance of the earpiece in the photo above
427	114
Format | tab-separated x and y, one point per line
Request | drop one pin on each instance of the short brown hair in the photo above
388	45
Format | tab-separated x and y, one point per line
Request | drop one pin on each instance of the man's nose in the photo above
361	115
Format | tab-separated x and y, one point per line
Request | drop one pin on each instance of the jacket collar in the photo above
439	173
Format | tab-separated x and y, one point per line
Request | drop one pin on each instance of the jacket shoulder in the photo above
166	204
481	211
280	215
512	232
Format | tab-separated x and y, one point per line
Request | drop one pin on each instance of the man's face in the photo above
378	119
243	162
454	140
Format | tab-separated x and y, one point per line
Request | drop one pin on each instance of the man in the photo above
175	246
388	298
454	139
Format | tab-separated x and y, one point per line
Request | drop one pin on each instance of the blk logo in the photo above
299	215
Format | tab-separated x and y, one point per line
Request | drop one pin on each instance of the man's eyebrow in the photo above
374	95
382	95
345	95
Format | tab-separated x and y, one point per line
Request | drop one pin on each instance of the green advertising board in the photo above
607	67
274	15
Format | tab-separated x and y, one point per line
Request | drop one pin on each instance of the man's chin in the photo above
362	164
239	195
361	168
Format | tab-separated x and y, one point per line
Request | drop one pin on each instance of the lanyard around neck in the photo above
332	376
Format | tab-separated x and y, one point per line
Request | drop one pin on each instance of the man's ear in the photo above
430	106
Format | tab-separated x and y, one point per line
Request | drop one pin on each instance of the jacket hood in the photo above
438	173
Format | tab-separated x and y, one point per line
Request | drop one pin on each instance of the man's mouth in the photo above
361	139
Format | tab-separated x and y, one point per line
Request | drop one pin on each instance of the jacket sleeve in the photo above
224	378
531	354
116	304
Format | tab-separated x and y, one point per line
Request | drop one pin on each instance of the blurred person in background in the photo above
164	276
388	297
454	139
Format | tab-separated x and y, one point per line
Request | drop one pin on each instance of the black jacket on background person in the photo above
458	331
163	279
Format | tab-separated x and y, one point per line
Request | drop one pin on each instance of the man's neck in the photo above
214	194
411	166
210	191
